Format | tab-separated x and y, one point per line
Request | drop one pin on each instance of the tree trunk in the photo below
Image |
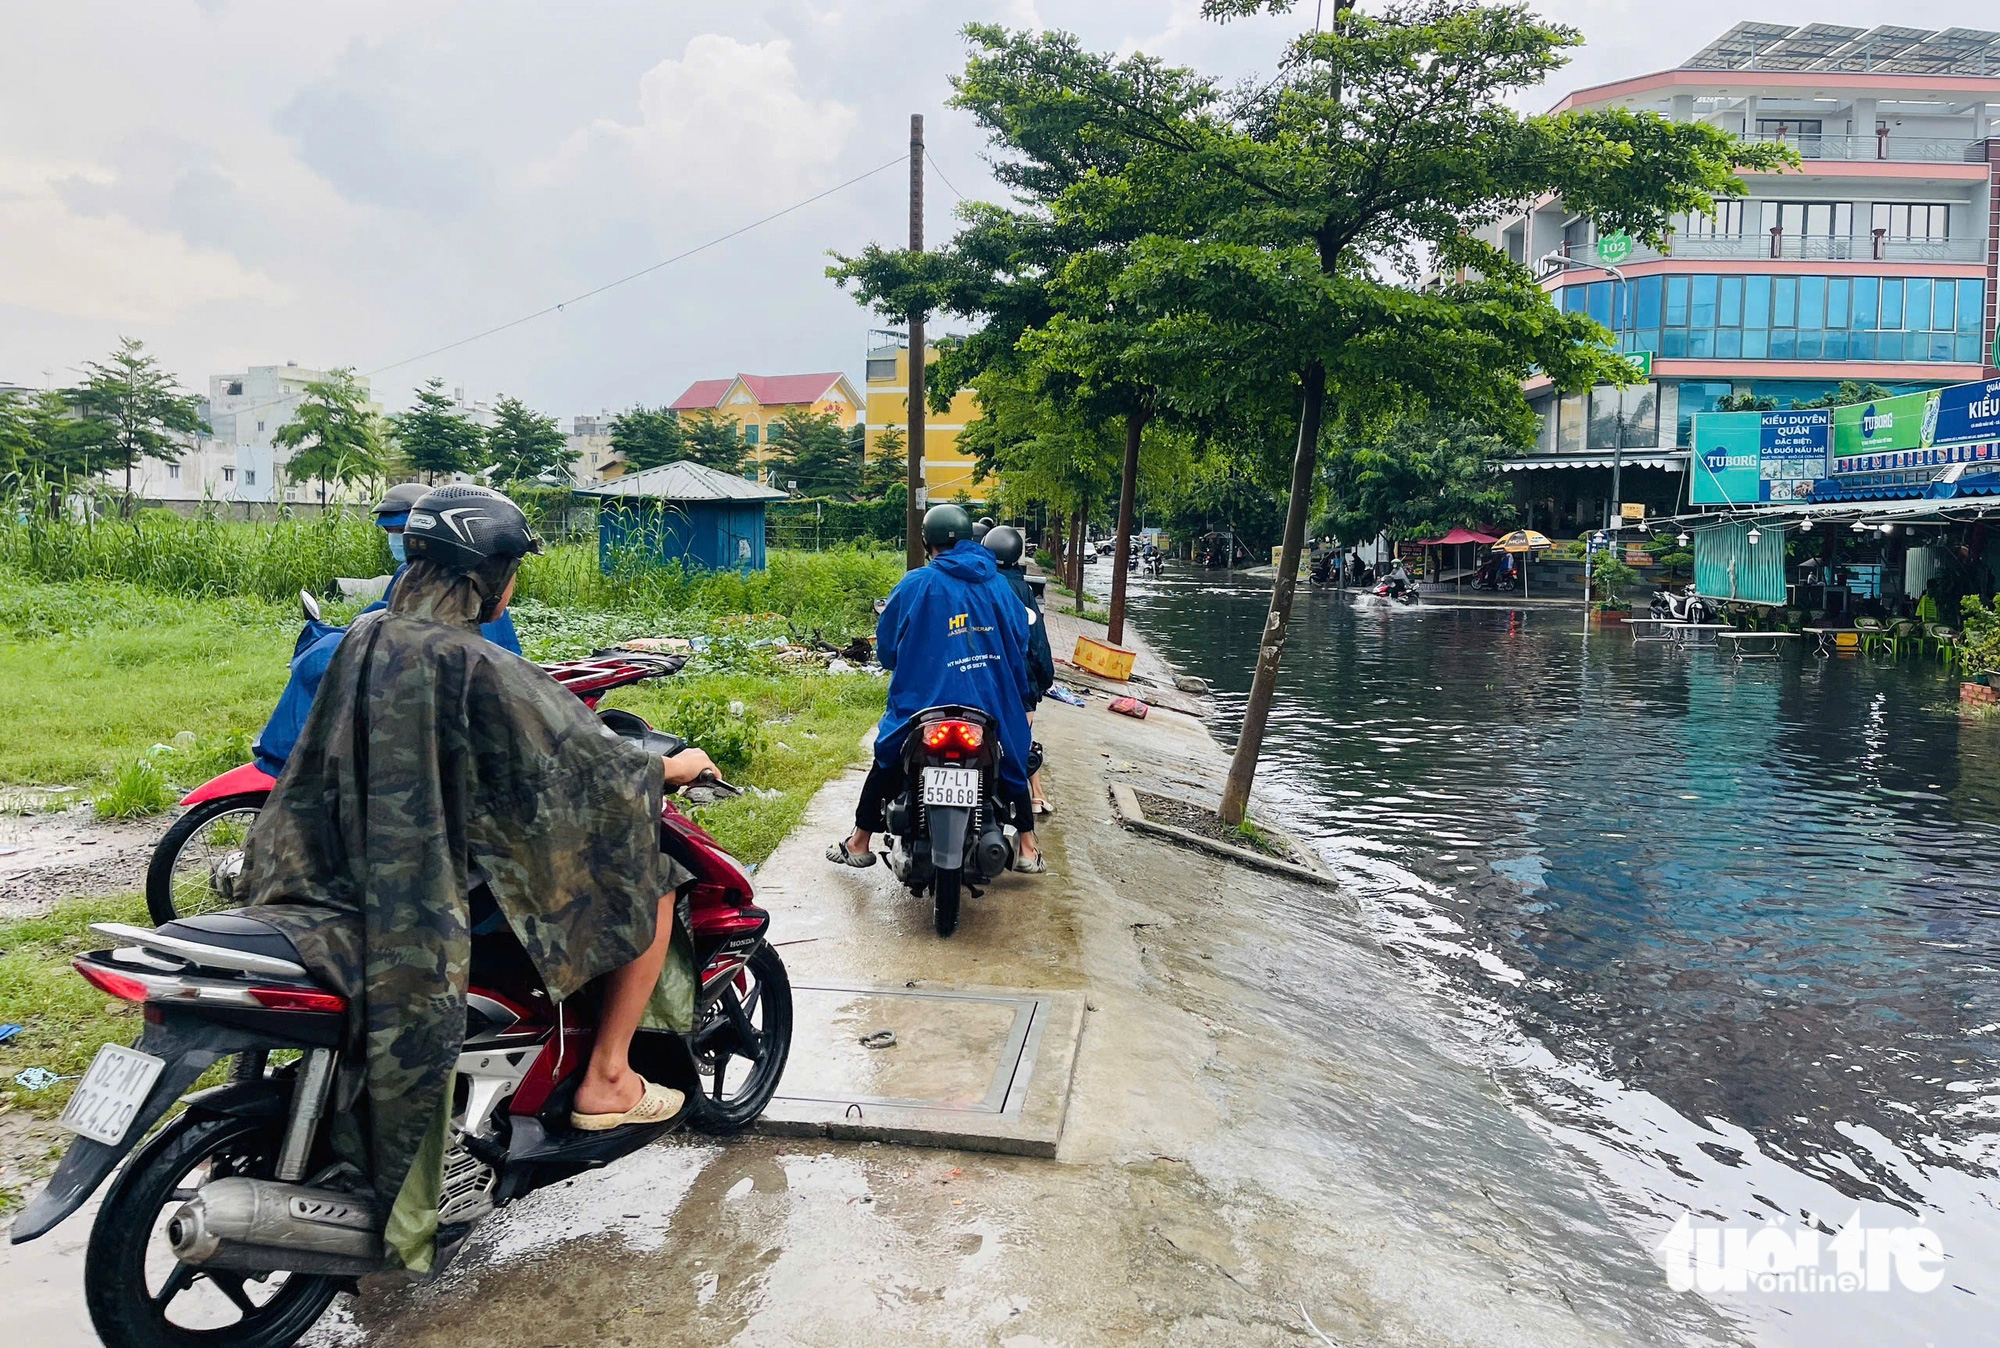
128	488
1128	483
1271	649
1077	542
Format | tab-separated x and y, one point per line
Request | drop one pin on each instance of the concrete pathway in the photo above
1264	1115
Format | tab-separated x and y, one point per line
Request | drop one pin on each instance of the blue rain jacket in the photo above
310	657
953	633
1041	657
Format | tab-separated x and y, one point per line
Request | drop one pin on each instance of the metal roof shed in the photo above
686	513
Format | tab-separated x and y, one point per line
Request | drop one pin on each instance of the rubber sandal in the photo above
1042	807
840	856
1038	866
657	1104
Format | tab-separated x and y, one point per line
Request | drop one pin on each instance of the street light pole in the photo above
1562	261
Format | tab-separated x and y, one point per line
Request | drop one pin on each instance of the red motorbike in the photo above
195	866
236	1224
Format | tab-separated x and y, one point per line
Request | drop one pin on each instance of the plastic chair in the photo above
1903	634
1874	636
1950	648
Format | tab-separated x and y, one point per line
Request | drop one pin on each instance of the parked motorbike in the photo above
1684	606
194	868
945	829
261	1220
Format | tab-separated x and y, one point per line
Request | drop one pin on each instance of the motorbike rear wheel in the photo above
185	875
131	1281
945	885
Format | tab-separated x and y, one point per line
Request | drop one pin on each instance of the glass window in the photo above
1646	339
1866	290
1642	420
1604	412
1756	343
1812	301
1757	302
1569	429
1968	346
1944	305
1784	344
1701	341
1696	397
1785	302
1729	305
750	434
1836	346
1917	303
1545	412
1892	303
1861	346
1649	302
1598	301
1729	342
1972	309
1673	342
1701	302
1809	344
1677	301
1839	293
1888	346
1573	299
1941	344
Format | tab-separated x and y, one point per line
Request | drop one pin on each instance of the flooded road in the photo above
1733	931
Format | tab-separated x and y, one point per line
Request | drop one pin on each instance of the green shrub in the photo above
1982	635
139	789
729	732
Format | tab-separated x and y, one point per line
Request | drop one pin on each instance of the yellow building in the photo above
755	401
946	471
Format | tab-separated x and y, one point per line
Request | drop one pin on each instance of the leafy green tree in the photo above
43	442
716	442
1307	205
887	465
1746	401
1414	479
435	436
816	451
135	410
648	437
1849	394
524	446
332	436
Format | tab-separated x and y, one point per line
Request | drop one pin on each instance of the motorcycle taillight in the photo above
104	980
945	734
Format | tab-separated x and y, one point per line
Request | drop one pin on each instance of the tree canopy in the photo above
522	445
436	437
1414	479
133	410
332	436
817	452
648	437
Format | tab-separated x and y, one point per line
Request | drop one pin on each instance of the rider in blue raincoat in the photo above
318	641
952	634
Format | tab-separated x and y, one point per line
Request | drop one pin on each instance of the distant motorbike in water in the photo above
1395	590
1684	606
1322	570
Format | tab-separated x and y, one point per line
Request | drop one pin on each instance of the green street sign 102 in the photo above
1615	248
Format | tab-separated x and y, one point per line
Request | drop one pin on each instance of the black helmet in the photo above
980	528
945	525
397	502
460	525
1004	542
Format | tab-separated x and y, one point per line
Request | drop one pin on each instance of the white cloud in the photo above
726	120
60	262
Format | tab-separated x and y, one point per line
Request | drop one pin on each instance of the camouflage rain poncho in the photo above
429	747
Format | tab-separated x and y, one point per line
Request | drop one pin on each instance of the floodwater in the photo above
1731	932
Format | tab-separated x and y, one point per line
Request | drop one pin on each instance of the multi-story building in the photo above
947	471
596	462
1873	261
756	401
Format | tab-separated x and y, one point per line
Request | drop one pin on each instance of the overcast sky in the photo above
357	182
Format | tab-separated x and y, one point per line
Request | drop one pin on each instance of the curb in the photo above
1125	804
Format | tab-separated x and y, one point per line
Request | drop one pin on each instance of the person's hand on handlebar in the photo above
687	765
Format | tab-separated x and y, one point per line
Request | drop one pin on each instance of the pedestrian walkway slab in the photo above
987	1069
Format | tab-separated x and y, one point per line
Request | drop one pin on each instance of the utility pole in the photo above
913	551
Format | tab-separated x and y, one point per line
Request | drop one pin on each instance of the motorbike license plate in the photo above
102	1106
951	786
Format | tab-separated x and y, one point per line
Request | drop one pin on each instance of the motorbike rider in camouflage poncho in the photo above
430	751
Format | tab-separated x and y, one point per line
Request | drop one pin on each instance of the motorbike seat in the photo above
234	931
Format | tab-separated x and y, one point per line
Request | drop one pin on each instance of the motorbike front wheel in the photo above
140	1296
741	1046
195	863
945	885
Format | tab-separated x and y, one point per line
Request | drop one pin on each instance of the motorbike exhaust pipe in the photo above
995	855
267	1226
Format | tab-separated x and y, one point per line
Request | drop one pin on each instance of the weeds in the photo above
137	790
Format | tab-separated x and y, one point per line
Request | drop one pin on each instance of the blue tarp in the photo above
1728	566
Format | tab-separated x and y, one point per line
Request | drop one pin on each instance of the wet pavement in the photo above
1268	1118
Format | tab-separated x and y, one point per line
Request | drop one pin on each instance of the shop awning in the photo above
1829	491
1458	535
1671	460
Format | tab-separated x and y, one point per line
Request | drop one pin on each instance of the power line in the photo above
940	173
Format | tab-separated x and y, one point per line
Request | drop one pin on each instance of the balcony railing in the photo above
1881	146
1872	247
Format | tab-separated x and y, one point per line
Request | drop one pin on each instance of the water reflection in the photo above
1763	894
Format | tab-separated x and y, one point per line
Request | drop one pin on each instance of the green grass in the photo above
63	1019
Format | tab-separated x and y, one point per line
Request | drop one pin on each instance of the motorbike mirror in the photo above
310	606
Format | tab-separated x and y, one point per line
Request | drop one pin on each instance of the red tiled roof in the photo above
771	390
702	393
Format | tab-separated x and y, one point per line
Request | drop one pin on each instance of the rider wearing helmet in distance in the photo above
434	763
952	633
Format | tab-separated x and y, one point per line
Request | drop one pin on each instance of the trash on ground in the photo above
8	1032
879	1039
35	1078
659	645
1188	683
1064	695
1128	706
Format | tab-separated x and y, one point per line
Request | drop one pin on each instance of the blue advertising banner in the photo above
1792	453
1967	412
1726	451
